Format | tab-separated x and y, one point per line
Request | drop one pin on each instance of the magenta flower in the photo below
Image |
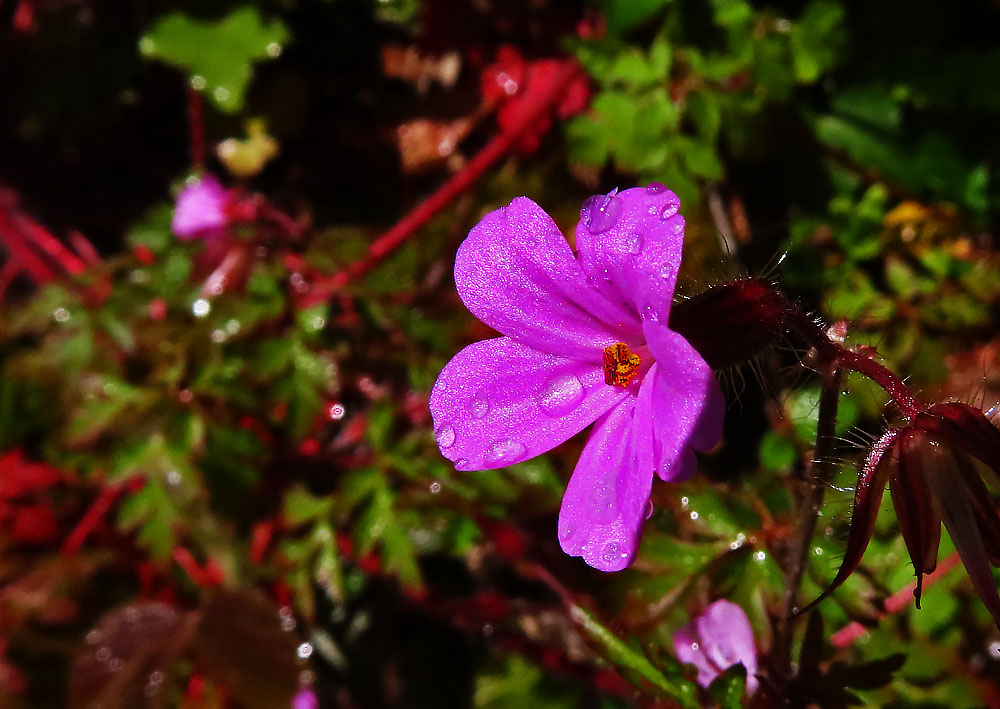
201	209
305	698
585	339
715	641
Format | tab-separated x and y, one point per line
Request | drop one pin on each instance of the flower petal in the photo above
960	521
498	402
630	244
686	406
872	478
517	274
919	517
605	501
200	209
727	638
689	651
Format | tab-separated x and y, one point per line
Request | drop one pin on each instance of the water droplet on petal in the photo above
655	187
649	509
695	646
479	407
505	452
600	212
635	245
461	463
562	394
667	271
670	209
446	436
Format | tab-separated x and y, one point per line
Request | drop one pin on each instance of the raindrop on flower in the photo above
600	212
506	451
446	436
655	187
562	394
670	209
635	245
610	552
479	407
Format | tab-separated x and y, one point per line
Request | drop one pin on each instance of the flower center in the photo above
620	365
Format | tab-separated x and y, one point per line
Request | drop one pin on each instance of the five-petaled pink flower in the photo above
585	339
201	209
715	641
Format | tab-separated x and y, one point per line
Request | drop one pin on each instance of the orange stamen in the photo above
620	365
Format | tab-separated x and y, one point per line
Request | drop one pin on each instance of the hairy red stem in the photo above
458	183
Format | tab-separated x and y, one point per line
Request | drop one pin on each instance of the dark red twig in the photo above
196	128
461	181
91	519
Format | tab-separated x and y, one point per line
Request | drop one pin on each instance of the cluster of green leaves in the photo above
668	110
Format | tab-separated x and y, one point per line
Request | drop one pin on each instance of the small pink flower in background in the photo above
585	339
201	209
715	641
305	698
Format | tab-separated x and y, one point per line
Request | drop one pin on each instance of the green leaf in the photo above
776	452
816	39
727	688
621	654
218	56
624	15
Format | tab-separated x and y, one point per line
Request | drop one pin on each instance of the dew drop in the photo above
479	407
600	212
305	650
655	187
635	245
760	556
610	552
695	646
666	271
94	637
461	463
60	315
435	487
446	436
562	394
670	209
505	452
200	308
694	515
649	509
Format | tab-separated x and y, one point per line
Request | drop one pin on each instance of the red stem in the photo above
835	353
196	128
458	183
91	519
